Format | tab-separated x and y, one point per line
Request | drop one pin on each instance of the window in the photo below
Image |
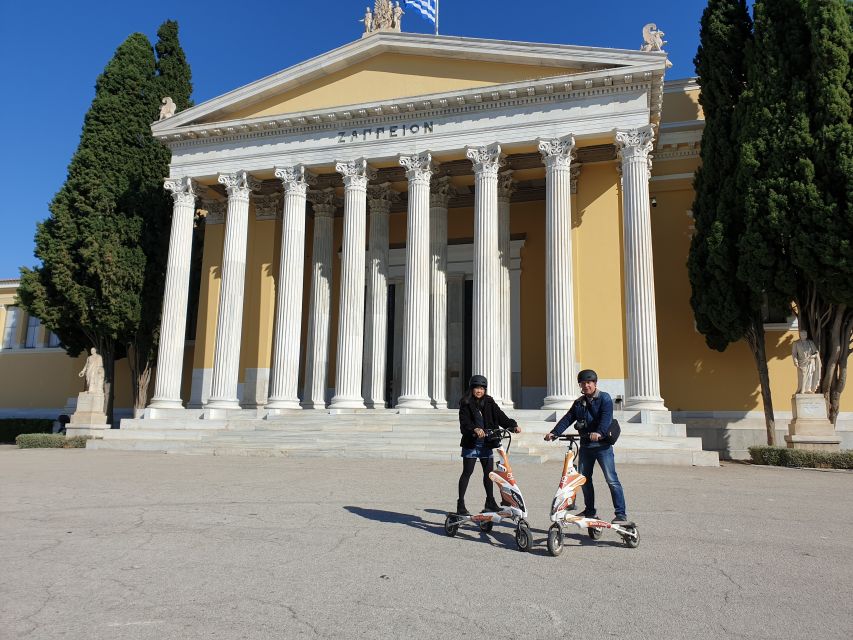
778	317
10	331
53	340
33	326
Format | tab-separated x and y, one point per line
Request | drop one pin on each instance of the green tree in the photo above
87	287
153	206
726	310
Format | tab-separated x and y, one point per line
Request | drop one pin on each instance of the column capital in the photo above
506	185
268	207
184	190
636	144
557	152
215	211
419	167
380	197
238	184
356	173
486	159
295	178
324	201
441	191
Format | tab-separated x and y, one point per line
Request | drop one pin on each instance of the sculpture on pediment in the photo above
386	16
807	360
653	38
168	108
93	371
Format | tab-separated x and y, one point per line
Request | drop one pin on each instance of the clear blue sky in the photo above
54	51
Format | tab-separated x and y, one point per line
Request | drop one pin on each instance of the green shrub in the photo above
11	428
50	441
784	457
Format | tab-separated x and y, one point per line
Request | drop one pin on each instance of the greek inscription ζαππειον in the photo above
385	133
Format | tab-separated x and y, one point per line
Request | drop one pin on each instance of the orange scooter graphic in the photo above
512	502
564	502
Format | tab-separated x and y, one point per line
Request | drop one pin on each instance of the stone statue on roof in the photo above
653	38
386	16
168	108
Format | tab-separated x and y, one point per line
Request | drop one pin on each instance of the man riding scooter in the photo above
592	414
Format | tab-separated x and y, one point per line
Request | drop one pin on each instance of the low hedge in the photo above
784	457
11	428
50	441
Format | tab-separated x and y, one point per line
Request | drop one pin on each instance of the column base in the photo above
280	403
346	403
375	405
165	403
440	403
310	404
644	403
558	402
413	402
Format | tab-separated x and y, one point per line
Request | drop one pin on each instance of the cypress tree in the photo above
726	310
87	287
154	207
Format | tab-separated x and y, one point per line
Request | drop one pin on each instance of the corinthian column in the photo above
319	309
414	388
642	389
356	173
440	194
505	188
487	332
379	199
284	377
229	324
173	326
558	153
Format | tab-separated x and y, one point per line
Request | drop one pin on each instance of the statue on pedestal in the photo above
93	370
807	360
386	16
652	38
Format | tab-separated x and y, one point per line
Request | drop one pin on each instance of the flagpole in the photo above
436	17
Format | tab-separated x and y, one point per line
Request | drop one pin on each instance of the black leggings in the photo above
468	465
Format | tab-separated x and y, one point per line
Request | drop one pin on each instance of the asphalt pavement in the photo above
120	545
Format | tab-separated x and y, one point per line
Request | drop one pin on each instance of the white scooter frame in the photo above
564	502
512	509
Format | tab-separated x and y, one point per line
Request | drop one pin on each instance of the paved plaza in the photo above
115	545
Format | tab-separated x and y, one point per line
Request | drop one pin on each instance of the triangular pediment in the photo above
392	66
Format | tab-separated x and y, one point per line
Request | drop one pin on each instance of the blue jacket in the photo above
597	411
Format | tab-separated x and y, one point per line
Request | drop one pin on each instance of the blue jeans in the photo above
586	463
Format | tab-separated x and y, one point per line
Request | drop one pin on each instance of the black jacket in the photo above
493	417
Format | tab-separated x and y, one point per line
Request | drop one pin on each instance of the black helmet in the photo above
587	375
478	381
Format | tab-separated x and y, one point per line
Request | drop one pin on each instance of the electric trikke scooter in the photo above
564	501
512	507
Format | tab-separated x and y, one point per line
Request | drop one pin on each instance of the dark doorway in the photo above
389	346
469	341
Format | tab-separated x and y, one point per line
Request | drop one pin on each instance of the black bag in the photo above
613	432
493	439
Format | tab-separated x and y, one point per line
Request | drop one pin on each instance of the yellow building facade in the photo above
389	218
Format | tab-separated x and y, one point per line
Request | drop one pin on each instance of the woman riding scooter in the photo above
479	413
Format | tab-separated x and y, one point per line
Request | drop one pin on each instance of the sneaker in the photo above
588	514
623	519
491	505
460	508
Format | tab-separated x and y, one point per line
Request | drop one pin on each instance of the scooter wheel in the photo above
486	526
555	540
450	528
632	541
594	533
522	536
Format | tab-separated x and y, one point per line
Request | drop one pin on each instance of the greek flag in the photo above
428	8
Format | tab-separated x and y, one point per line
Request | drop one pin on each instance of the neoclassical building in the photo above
366	229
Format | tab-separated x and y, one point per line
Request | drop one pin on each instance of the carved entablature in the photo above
268	207
215	211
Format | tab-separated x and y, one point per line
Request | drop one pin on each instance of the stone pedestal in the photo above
811	428
89	418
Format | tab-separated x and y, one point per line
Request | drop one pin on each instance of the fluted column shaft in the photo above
319	310
562	390
505	189
642	389
351	305
439	198
379	199
229	324
173	326
284	377
486	335
414	387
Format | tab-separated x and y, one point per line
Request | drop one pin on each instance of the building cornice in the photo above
681	85
648	77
